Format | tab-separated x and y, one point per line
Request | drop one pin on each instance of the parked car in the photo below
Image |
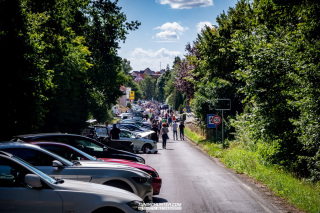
133	127
71	153
100	134
112	174
24	188
139	122
83	143
140	143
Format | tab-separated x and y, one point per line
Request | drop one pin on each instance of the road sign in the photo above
210	123
131	95
216	120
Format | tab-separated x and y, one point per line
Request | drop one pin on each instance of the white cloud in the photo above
186	4
140	59
201	25
170	31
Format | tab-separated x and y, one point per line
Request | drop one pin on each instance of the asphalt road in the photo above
201	184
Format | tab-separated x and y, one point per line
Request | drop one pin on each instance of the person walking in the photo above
164	134
181	128
175	130
115	132
155	135
169	120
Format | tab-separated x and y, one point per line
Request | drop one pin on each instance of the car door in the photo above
138	143
16	196
125	135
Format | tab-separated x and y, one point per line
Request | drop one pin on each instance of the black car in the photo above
100	134
83	143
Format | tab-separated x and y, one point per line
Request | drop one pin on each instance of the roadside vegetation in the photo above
302	193
263	56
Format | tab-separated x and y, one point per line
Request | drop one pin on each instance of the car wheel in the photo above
108	209
119	184
146	147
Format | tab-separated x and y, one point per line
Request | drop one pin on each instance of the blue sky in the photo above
167	26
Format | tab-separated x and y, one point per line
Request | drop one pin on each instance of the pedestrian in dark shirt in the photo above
181	128
115	132
164	134
155	135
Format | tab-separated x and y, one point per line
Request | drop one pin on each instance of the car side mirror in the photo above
57	163
33	180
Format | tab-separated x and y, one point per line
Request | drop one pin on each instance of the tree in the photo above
126	67
148	87
63	62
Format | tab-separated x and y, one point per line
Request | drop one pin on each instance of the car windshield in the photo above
35	170
101	132
127	134
84	154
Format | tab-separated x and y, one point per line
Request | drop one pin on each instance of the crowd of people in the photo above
161	121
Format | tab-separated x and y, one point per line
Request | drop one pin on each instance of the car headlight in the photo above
137	205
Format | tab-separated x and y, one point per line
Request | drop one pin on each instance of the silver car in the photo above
23	188
139	140
112	174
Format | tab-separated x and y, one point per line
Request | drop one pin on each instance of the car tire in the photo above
108	209
145	147
119	184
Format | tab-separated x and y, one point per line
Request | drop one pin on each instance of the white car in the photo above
139	141
23	188
112	174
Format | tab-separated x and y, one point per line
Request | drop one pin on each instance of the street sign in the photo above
216	120
210	123
131	95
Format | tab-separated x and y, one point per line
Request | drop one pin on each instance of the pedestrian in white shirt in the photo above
175	130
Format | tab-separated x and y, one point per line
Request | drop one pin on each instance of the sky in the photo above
167	26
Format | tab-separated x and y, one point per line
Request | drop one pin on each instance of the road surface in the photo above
200	184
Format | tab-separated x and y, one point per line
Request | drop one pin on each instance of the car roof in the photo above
39	135
11	144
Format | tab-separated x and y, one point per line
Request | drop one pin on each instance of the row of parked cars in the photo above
57	172
135	135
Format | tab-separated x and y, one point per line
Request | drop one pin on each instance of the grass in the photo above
302	194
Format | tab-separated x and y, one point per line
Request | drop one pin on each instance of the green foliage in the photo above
148	87
63	63
129	105
264	57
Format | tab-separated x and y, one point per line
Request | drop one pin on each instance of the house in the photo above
138	78
139	75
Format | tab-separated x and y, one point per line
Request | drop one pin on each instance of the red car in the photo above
71	153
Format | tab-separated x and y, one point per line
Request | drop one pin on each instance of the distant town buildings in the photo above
140	75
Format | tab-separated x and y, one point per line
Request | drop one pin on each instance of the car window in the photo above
86	145
63	151
11	174
101	132
34	157
124	134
